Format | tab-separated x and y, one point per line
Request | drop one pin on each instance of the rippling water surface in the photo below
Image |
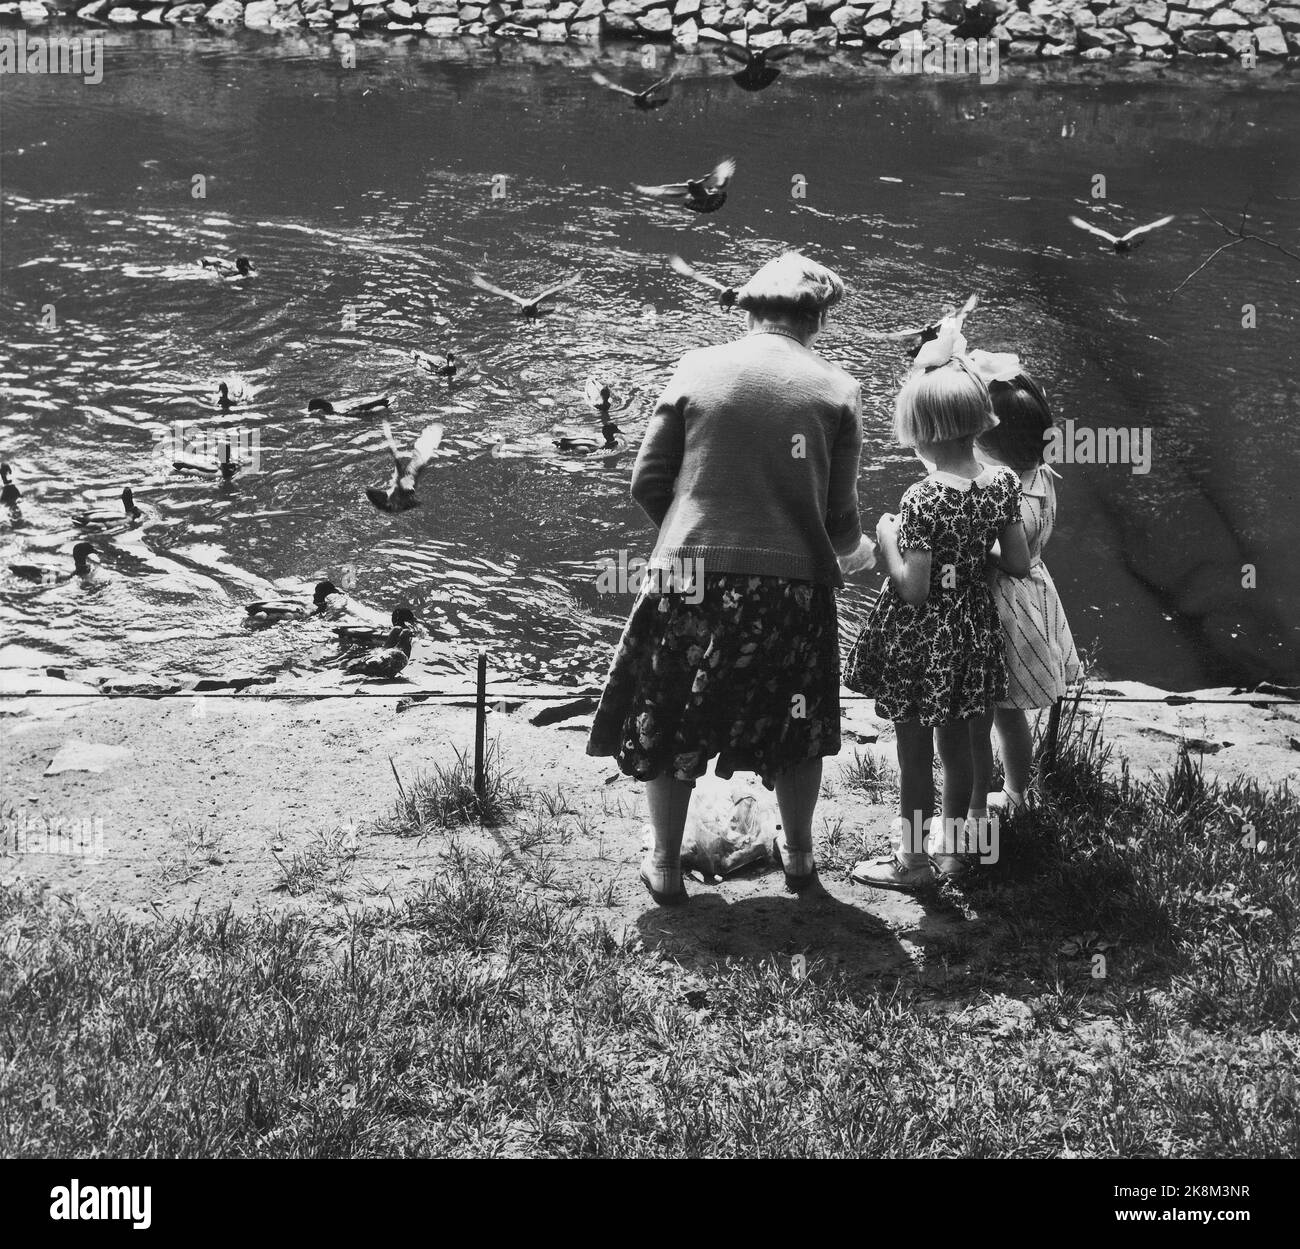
364	197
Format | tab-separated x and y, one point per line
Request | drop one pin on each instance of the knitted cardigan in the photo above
750	462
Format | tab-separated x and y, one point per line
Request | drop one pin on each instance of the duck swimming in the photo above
55	574
578	445
1123	242
203	466
599	395
757	72
531	307
326	597
726	294
239	268
701	195
386	662
400	495
353	639
104	517
232	391
656	95
438	366
9	494
348	407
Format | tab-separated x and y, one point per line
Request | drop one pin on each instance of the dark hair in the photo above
1024	418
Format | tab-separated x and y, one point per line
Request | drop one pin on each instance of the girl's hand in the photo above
861	559
887	529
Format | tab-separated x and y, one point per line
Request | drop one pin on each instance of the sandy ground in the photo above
208	802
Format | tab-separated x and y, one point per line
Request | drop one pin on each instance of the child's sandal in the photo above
891	873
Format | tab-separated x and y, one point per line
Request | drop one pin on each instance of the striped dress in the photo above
1040	654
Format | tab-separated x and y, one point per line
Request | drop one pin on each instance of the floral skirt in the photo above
751	674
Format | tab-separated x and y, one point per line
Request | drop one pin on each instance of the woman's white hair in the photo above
791	285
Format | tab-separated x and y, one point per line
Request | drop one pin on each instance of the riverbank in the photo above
1096	30
212	796
510	989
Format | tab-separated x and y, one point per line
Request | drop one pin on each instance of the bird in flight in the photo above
656	95
701	195
400	493
527	307
758	72
1122	242
726	294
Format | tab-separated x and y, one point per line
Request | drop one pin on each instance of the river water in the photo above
367	196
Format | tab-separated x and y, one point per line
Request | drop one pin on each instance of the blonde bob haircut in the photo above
791	286
941	405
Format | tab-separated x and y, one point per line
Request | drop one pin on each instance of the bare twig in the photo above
1239	235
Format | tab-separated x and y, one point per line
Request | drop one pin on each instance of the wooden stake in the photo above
480	724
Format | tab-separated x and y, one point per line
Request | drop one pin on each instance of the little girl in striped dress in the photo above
1041	658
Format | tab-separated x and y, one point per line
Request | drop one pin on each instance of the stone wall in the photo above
1094	29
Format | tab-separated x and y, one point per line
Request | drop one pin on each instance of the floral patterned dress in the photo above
942	660
750	673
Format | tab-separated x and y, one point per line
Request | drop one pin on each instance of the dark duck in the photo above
57	574
358	405
326	598
9	493
241	267
355	639
576	444
435	365
110	517
386	662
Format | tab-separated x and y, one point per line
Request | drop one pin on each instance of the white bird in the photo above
400	495
726	294
1122	242
527	307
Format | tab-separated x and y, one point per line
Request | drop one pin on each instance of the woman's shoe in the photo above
799	866
892	873
660	885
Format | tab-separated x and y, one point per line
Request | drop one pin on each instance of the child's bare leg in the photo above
979	730
1016	744
958	769
907	868
915	745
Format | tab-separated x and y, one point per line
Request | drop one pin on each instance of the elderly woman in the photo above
749	471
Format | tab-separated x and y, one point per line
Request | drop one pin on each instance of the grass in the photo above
446	798
482	1016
